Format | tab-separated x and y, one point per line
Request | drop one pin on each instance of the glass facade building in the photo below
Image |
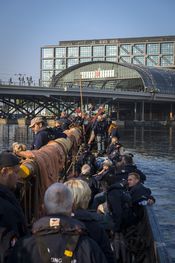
145	51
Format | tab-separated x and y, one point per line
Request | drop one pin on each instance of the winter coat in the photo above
119	204
11	214
129	169
57	238
96	232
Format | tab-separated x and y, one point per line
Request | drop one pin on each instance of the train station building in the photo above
144	51
135	77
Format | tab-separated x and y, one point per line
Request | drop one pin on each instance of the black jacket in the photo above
11	214
65	122
86	157
51	239
129	169
100	128
139	193
96	232
45	135
40	139
119	204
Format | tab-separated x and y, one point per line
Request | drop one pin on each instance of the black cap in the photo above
8	159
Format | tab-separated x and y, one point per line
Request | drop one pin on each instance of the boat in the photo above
143	243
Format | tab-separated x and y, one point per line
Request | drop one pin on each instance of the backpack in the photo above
8	239
66	257
54	133
57	238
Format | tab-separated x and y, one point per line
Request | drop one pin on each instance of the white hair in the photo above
58	199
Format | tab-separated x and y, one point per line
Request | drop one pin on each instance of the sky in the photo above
28	25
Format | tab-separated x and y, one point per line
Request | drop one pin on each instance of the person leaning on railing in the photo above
140	195
43	134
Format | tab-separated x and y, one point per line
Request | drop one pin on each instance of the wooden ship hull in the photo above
49	164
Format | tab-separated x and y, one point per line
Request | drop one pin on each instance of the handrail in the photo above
161	251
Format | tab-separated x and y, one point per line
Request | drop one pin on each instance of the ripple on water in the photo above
154	154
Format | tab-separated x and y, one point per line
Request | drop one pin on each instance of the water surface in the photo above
154	154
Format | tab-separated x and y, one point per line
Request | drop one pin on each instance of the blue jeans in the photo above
100	143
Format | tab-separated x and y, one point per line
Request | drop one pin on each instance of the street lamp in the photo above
81	94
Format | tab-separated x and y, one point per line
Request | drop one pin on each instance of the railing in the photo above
158	242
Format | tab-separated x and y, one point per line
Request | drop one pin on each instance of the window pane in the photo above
166	60
98	59
98	51
167	48
139	60
72	62
111	50
152	61
113	59
125	59
47	52
85	52
60	63
47	75
72	51
82	60
153	49
138	49
45	84
47	64
60	52
125	50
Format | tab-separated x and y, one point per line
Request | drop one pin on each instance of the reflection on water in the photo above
156	142
154	154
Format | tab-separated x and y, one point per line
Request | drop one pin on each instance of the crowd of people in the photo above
84	215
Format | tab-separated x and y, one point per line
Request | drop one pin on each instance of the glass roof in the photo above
111	75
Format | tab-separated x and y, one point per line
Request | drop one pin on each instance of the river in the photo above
154	154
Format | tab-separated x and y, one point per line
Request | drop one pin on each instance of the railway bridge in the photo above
129	92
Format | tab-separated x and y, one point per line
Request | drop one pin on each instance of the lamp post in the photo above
81	94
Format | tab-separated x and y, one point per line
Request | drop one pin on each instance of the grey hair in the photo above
58	199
